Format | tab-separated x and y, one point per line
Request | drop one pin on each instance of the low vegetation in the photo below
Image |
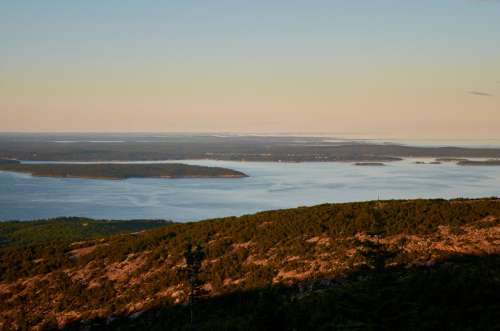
408	265
9	161
370	164
68	229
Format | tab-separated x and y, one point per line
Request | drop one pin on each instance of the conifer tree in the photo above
194	258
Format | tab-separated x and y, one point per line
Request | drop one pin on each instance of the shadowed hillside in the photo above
456	293
419	264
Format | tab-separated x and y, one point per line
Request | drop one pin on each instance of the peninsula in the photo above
121	171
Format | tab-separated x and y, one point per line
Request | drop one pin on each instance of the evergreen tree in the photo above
194	258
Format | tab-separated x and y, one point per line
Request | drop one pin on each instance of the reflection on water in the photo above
270	186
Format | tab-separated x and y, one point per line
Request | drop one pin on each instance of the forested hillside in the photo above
408	265
68	229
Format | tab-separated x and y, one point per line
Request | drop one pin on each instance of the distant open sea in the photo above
270	186
106	138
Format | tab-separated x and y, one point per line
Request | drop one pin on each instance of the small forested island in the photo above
9	161
479	163
370	164
379	265
422	162
121	171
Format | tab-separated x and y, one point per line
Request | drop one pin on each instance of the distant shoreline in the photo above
479	163
236	148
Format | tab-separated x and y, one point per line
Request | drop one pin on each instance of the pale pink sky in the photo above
421	69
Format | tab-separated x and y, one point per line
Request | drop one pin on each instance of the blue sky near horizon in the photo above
224	65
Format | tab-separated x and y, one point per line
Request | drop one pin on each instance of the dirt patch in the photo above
313	240
292	258
66	317
242	245
121	271
291	275
319	240
464	240
230	281
136	280
85	274
254	259
5	288
79	252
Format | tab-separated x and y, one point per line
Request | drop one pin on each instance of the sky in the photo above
408	69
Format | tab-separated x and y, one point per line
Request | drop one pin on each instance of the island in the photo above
422	162
479	163
120	171
9	161
370	164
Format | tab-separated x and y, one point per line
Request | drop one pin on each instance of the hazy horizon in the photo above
410	70
363	136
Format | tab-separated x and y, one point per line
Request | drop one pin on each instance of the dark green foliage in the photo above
192	272
265	230
479	163
68	229
120	171
397	298
375	254
9	161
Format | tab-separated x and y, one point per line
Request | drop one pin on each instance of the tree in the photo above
194	259
374	251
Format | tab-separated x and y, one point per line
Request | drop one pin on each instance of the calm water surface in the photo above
270	186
